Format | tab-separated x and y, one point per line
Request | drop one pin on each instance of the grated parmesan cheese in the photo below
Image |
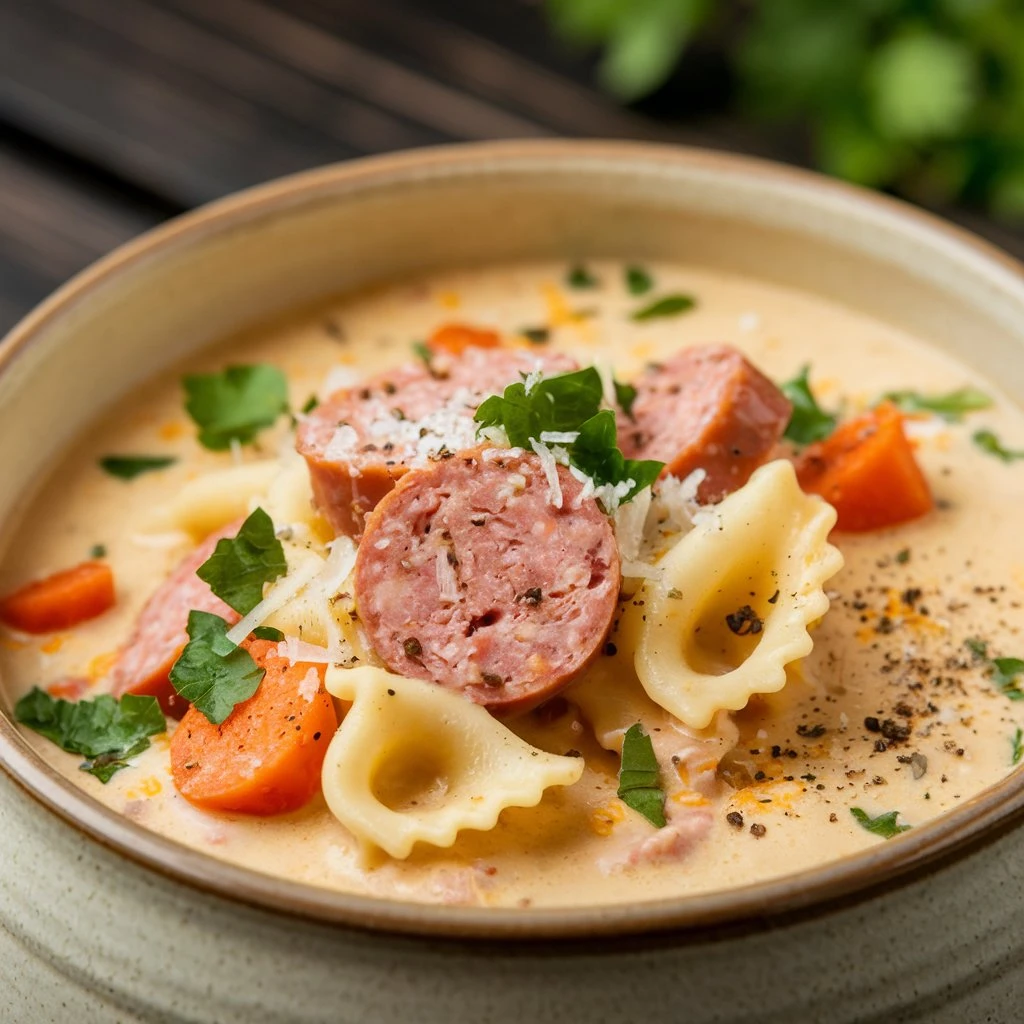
550	468
447	584
296	650
559	436
280	594
342	444
309	687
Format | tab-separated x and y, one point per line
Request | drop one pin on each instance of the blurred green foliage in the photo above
925	97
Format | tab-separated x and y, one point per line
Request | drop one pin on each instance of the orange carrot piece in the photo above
62	600
867	470
454	339
265	757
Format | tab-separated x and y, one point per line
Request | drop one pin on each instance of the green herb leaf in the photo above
536	335
596	453
98	551
268	633
236	404
988	442
212	673
105	731
241	565
1018	746
310	404
580	277
128	467
1004	674
808	422
638	280
668	305
952	406
625	395
884	825
639	785
424	352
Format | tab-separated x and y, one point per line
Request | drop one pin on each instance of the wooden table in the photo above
117	114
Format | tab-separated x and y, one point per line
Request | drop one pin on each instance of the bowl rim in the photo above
820	891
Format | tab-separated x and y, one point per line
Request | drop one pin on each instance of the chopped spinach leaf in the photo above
638	280
625	395
639	786
1002	671
241	565
808	422
667	305
105	731
987	441
236	404
1018	746
952	406
128	467
580	277
884	825
212	673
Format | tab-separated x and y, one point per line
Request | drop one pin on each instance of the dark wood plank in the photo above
52	224
171	105
525	72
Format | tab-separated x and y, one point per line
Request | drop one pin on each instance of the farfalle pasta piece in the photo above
413	762
735	599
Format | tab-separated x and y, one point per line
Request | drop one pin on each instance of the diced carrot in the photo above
72	688
867	470
265	757
456	338
62	600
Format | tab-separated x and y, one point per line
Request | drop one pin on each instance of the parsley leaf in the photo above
570	402
98	551
105	731
536	335
236	404
596	453
638	777
423	351
1002	671
128	467
310	404
241	565
580	277
625	395
808	422
988	442
1018	746
951	406
884	825
212	673
555	403
668	305
638	280
268	633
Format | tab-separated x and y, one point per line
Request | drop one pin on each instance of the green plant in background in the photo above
922	96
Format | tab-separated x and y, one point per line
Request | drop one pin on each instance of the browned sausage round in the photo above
144	663
363	439
706	408
469	575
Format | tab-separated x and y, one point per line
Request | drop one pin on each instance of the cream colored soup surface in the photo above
891	649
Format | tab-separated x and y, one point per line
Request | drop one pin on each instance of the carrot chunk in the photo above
265	757
867	470
62	600
456	338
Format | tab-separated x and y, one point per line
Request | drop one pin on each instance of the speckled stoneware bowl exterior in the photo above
102	921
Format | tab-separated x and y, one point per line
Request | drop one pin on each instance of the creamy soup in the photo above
898	714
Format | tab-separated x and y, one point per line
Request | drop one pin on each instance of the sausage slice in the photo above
468	575
362	440
706	408
144	663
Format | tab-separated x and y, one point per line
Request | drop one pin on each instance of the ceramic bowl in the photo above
101	920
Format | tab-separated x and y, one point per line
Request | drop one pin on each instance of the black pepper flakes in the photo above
412	647
492	679
735	819
758	831
744	621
